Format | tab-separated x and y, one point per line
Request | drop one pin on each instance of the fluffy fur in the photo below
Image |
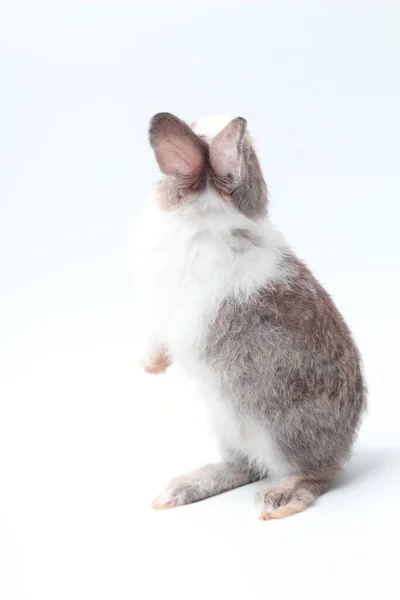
226	298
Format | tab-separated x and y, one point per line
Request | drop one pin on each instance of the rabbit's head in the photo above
210	168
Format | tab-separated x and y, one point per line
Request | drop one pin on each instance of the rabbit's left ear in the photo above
226	150
179	151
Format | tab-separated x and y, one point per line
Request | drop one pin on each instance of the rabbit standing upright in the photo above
228	300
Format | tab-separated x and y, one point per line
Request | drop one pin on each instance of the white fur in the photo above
185	267
244	435
209	127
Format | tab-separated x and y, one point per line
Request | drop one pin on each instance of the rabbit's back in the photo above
287	359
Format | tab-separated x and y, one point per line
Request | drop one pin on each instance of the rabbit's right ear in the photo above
226	150
178	150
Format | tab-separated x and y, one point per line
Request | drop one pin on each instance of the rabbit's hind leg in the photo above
205	482
294	494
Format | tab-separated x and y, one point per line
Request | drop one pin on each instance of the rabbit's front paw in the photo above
156	363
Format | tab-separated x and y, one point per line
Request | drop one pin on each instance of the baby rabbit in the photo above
228	300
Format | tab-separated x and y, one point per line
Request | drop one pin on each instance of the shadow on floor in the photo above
368	462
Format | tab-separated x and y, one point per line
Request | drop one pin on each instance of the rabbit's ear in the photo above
178	150
226	150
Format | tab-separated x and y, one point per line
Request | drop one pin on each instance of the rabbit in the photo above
228	300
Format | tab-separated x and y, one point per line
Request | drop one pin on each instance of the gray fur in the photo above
244	183
251	197
243	239
210	480
286	357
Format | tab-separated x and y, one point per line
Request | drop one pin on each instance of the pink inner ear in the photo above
179	155
226	149
225	160
178	150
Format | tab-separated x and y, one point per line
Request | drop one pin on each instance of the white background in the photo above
86	439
